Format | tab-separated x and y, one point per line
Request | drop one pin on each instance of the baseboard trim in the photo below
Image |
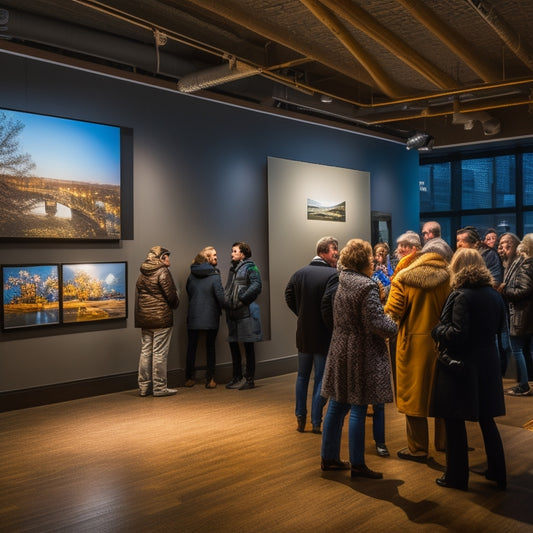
74	390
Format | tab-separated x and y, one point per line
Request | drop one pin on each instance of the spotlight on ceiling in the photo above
234	70
422	142
325	99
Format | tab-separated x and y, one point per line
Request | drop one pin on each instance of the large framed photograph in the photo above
93	291
59	178
30	296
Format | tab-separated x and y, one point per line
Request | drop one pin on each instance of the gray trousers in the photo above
153	361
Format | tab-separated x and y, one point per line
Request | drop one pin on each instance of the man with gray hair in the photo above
303	295
431	233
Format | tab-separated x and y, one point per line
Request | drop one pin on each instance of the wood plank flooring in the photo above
231	461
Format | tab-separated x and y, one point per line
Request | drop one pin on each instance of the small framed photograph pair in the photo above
54	294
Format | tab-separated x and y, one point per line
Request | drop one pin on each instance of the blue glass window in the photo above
488	182
435	187
527	173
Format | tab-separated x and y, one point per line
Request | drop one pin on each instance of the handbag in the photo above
448	360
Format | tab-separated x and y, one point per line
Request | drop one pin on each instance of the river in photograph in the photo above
31	318
61	211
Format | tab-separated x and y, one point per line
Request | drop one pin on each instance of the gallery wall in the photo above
200	177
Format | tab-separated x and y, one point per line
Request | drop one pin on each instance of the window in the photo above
488	182
435	187
527	178
528	222
492	190
502	223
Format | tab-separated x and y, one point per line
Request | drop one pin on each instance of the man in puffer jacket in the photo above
156	297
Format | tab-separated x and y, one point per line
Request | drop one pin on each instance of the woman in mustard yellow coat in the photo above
415	301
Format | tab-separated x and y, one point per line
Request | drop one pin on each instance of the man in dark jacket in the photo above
206	301
303	295
156	297
468	237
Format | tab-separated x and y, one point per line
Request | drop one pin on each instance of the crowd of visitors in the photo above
425	327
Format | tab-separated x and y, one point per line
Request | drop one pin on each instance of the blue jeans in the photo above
305	365
332	431
518	345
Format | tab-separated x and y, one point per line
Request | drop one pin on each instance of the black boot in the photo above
300	419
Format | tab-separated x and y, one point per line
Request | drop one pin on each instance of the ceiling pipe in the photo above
384	82
42	30
128	52
451	38
498	86
359	18
512	40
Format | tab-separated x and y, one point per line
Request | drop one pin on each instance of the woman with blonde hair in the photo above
470	388
358	369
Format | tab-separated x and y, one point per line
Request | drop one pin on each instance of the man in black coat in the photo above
468	237
303	295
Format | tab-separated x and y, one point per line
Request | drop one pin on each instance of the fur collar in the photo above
428	271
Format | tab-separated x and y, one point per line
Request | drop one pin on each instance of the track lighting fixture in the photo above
422	142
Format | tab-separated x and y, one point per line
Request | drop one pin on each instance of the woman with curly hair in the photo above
358	369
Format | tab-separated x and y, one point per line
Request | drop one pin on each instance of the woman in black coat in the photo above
472	316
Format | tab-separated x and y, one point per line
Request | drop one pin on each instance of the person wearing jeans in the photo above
304	294
333	425
358	370
517	290
306	361
520	346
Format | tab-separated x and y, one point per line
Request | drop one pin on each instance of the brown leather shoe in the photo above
300	420
210	384
404	454
364	471
334	464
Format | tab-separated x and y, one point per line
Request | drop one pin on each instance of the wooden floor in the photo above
231	461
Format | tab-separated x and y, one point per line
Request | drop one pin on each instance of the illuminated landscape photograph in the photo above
30	295
59	178
318	211
93	291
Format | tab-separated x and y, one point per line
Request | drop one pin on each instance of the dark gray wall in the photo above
199	177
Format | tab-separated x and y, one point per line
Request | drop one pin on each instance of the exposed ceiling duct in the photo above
396	65
57	34
233	70
490	125
519	45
